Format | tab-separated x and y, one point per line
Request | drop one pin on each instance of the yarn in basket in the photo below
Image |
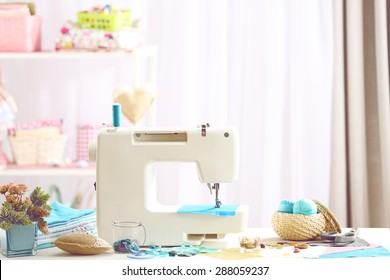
298	226
286	206
305	207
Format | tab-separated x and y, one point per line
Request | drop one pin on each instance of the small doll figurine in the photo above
7	115
7	103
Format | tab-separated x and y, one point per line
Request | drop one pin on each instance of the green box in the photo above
104	21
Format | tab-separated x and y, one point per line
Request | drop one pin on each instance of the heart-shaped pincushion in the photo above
134	103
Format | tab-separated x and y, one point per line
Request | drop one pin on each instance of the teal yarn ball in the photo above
286	206
305	207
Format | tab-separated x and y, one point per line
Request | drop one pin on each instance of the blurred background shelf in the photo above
46	170
145	50
80	88
75	87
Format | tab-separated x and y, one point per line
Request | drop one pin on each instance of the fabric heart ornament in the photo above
134	102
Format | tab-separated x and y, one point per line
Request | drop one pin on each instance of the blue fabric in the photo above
370	252
225	210
62	214
64	219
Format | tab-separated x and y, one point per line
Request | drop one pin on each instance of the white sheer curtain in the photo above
263	66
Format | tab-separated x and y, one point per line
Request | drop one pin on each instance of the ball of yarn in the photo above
286	206
305	207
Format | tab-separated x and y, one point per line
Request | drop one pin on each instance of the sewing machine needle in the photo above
217	201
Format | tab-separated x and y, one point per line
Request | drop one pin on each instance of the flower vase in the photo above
21	240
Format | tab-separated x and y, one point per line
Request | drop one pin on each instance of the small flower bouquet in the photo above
17	210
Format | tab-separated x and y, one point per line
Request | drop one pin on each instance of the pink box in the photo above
20	33
86	133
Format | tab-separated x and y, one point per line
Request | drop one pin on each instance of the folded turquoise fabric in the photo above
64	219
61	213
371	252
224	210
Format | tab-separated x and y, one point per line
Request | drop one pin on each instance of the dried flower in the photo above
3	189
23	211
17	190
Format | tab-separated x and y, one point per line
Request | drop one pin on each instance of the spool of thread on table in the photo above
116	115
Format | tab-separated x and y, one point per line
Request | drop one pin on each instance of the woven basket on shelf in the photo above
304	227
38	150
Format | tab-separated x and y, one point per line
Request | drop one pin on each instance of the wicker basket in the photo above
304	227
332	223
38	150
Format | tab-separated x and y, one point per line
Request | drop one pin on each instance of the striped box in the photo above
86	133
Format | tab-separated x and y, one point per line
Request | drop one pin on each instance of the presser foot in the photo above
215	187
218	203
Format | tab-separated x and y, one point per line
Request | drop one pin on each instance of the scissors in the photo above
336	239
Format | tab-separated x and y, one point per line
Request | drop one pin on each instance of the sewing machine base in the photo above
168	228
219	241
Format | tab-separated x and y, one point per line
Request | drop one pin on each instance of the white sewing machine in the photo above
126	186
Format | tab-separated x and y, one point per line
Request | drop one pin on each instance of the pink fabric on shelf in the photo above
35	124
39	123
20	33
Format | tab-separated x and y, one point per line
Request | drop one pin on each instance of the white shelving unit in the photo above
141	51
64	55
20	171
61	100
72	105
73	86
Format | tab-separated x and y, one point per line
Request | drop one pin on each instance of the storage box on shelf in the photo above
38	142
19	30
38	150
86	133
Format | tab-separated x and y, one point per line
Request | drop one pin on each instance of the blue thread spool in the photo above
116	115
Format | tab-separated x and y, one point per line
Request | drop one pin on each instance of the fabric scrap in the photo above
224	210
371	252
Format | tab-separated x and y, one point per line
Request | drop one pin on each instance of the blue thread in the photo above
126	246
116	115
286	206
305	207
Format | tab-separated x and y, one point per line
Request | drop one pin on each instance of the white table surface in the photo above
55	264
377	236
